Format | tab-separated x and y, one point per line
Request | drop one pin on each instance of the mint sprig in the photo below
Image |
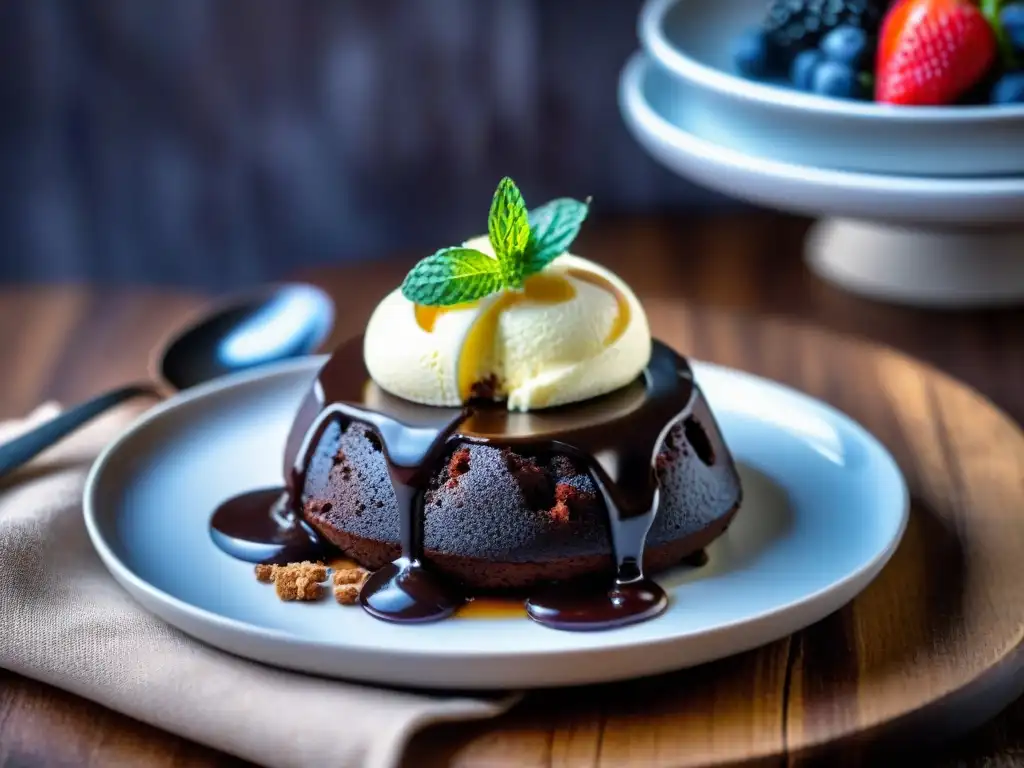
524	243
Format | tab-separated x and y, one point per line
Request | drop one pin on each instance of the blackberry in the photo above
796	25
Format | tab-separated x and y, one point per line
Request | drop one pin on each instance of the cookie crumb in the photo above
291	585
294	581
355	575
348	582
347	594
315	571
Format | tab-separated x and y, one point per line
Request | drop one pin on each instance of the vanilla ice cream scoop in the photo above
575	331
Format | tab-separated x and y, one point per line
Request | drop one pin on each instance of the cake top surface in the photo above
509	316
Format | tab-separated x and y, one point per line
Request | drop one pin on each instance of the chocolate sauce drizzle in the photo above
616	436
262	527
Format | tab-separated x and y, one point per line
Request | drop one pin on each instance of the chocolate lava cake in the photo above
505	422
497	519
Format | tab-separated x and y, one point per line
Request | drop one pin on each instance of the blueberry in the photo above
752	54
846	45
801	73
1012	19
834	79
1009	89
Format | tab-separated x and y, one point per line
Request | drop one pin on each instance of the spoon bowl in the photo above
245	331
265	326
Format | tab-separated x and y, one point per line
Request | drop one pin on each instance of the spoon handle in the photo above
20	450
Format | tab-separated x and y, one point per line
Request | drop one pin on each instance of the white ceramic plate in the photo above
693	39
824	508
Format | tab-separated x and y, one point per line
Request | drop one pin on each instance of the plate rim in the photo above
644	119
133	583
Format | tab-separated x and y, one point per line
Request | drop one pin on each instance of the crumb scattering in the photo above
305	581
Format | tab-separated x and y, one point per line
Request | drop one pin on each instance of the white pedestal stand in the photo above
954	267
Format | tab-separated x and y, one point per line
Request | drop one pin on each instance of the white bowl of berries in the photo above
954	241
900	87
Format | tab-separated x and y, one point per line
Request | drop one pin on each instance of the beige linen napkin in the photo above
64	620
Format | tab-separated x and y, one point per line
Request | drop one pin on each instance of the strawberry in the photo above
932	51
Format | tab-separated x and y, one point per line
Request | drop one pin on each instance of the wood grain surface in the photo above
946	609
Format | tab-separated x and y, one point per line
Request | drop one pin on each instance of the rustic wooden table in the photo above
66	343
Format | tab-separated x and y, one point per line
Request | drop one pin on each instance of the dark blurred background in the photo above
221	142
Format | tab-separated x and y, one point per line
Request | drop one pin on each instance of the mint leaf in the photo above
508	227
524	242
553	227
452	276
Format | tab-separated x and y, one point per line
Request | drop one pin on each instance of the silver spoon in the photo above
245	331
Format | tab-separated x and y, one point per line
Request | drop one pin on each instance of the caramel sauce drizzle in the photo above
492	608
476	357
622	317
